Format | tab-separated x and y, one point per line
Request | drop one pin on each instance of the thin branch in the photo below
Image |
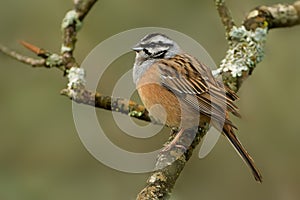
120	105
48	60
71	24
38	51
83	7
225	15
22	58
247	40
275	16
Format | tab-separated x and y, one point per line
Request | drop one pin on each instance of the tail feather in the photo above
229	133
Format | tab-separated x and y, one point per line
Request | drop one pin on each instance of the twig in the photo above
83	7
22	58
225	15
71	24
234	69
120	105
48	59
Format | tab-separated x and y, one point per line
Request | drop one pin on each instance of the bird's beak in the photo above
137	48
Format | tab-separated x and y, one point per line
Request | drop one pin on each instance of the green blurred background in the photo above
42	157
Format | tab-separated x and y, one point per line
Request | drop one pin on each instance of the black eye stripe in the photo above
147	52
159	54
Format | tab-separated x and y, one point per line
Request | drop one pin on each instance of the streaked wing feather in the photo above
195	84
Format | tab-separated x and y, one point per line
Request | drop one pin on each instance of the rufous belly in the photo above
166	107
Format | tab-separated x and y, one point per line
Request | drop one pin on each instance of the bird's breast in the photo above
164	105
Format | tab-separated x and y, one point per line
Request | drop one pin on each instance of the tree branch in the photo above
71	24
22	58
170	164
121	105
83	7
246	45
275	16
225	15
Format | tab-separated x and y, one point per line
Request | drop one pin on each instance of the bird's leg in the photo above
174	142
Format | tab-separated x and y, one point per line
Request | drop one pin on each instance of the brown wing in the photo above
187	78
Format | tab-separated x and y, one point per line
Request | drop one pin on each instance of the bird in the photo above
186	89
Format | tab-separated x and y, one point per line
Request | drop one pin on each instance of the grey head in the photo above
151	48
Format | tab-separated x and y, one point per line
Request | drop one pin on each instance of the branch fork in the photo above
246	50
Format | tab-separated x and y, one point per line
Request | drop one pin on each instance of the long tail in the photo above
229	133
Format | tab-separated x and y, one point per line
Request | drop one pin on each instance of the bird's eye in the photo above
147	52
